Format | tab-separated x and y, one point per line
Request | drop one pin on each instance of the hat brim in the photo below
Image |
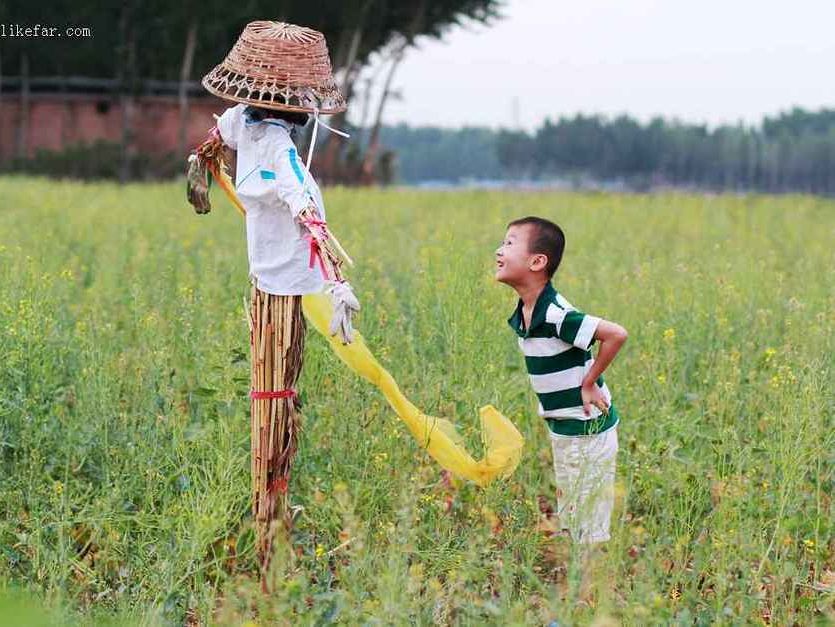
274	96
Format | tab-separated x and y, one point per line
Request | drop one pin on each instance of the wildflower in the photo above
320	550
661	378
669	334
58	488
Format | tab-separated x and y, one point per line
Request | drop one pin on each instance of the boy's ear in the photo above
538	262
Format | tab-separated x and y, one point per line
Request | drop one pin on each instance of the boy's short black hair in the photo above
546	239
293	117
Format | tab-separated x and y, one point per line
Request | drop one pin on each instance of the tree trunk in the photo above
1	106
23	114
367	173
66	113
345	61
185	74
128	88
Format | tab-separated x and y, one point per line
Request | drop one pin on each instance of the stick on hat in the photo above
277	65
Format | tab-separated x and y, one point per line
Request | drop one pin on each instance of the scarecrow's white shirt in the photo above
268	180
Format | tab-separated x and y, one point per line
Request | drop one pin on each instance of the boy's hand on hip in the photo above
593	395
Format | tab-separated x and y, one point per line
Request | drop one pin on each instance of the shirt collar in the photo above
546	296
250	121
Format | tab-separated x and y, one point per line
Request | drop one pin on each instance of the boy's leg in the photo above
584	468
566	473
598	487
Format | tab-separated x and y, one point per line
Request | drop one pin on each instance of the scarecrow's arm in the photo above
294	188
209	159
325	249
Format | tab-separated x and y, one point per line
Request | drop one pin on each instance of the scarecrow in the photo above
278	75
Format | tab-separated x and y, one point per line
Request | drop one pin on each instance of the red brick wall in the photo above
56	120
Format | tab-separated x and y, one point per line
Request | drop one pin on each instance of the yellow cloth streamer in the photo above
502	441
218	169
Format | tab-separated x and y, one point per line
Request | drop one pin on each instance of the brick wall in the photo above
56	120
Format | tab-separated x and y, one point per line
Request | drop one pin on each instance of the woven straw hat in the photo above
277	65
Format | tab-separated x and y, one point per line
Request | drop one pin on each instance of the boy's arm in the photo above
611	337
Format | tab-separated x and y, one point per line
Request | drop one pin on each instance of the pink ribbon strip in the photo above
255	394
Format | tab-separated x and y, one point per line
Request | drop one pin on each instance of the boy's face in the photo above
514	264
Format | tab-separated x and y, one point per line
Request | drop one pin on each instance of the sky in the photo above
709	61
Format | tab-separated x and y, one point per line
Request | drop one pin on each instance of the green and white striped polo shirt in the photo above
557	350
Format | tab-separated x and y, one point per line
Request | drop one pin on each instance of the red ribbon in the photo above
278	484
258	395
316	253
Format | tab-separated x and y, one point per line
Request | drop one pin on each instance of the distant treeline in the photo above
793	151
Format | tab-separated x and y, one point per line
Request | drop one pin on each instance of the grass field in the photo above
124	420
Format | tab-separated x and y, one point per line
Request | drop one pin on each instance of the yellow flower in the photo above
58	488
320	550
661	378
669	334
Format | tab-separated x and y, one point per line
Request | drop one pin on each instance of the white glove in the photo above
345	303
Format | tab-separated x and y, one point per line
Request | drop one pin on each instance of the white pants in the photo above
584	467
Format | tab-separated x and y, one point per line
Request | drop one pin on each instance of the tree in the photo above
178	41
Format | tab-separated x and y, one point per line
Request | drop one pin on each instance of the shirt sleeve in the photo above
289	181
229	124
576	327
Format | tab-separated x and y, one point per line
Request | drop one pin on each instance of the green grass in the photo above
124	437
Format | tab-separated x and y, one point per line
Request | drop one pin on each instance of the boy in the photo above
556	340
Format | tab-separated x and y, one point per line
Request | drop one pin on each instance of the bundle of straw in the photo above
207	161
277	329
